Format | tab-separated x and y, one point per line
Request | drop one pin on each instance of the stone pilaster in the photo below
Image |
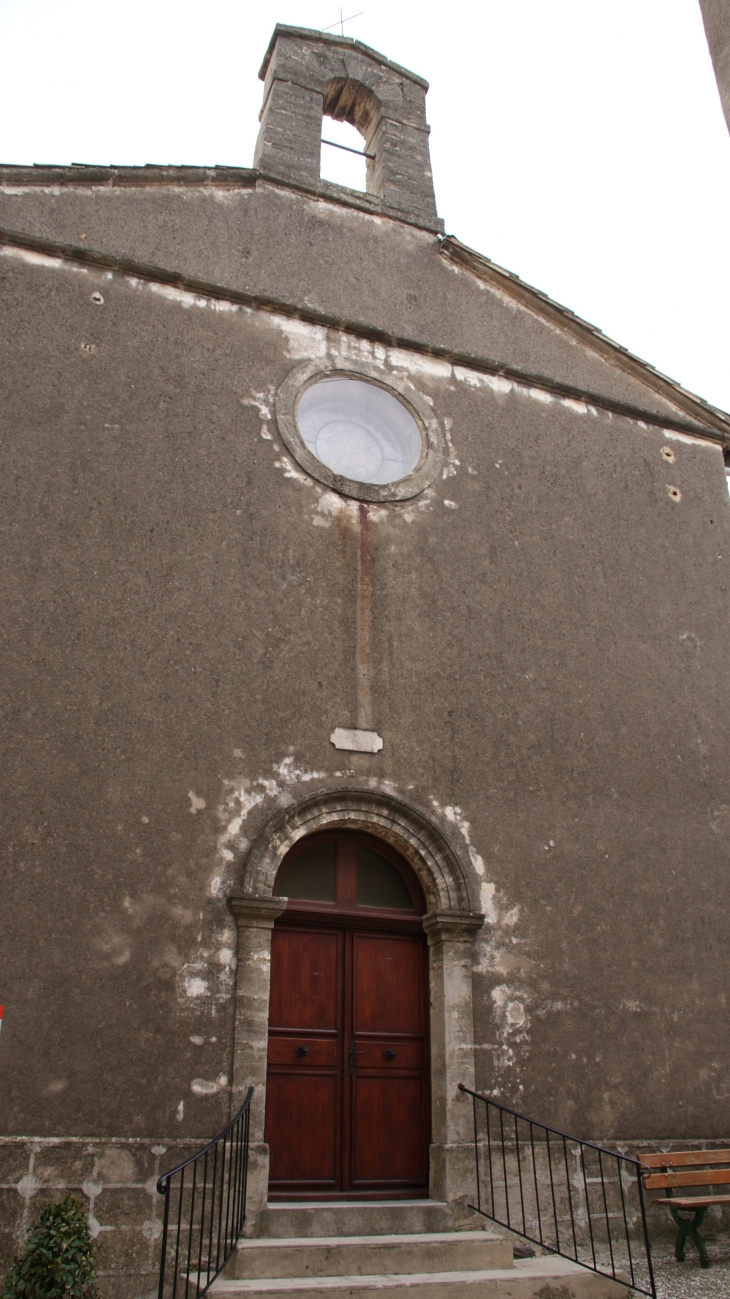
450	936
255	918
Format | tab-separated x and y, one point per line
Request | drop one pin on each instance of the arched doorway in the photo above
347	1092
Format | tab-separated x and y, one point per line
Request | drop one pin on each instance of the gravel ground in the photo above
690	1281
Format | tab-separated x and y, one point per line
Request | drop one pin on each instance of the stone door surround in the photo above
452	919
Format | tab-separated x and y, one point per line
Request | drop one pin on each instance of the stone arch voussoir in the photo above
446	874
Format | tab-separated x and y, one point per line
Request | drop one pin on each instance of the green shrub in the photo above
58	1260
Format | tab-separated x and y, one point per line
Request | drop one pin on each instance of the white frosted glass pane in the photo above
359	430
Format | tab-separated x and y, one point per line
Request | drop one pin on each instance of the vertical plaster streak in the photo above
364	621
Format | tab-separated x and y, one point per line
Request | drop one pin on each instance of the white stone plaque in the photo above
356	741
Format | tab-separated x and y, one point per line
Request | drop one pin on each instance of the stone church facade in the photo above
318	523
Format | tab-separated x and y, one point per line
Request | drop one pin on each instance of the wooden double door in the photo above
347	1104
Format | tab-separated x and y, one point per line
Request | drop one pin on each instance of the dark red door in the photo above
347	1104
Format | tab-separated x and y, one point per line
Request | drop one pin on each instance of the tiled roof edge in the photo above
592	337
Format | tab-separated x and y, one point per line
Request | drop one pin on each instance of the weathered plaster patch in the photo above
687	437
512	1023
264	404
183	297
194	985
418	363
113	944
209	1087
329	506
206	980
452	462
20	191
477	379
498	951
304	341
720	819
196	804
240	796
348	347
55	1086
41	259
455	816
414	508
290	470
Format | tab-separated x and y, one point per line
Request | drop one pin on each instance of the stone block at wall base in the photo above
257	1188
452	1175
115	1177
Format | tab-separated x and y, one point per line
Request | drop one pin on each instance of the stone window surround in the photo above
452	920
430	463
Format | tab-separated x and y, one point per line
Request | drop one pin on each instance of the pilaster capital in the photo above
253	912
452	926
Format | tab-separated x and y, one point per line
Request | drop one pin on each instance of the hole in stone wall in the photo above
337	164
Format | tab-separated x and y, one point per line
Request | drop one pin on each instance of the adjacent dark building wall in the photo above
716	17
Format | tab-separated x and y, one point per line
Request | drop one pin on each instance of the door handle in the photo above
351	1053
389	1055
301	1051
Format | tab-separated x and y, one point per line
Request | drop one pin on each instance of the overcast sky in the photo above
580	143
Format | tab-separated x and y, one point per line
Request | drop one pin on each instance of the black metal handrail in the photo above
571	1197
207	1209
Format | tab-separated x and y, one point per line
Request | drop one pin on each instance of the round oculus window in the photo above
359	430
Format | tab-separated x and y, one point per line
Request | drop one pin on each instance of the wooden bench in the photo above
676	1170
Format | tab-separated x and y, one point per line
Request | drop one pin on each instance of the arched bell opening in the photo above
350	116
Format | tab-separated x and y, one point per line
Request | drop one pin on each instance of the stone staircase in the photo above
394	1250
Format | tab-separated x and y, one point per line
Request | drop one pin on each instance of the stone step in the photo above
362	1218
534	1278
370	1255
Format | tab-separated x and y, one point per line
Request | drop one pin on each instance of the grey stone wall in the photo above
115	1177
548	658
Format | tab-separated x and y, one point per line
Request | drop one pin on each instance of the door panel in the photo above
387	980
388	1112
388	1053
388	1131
304	982
300	1128
304	1083
301	1050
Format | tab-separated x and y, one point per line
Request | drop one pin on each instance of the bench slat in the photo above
686	1158
710	1177
692	1201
